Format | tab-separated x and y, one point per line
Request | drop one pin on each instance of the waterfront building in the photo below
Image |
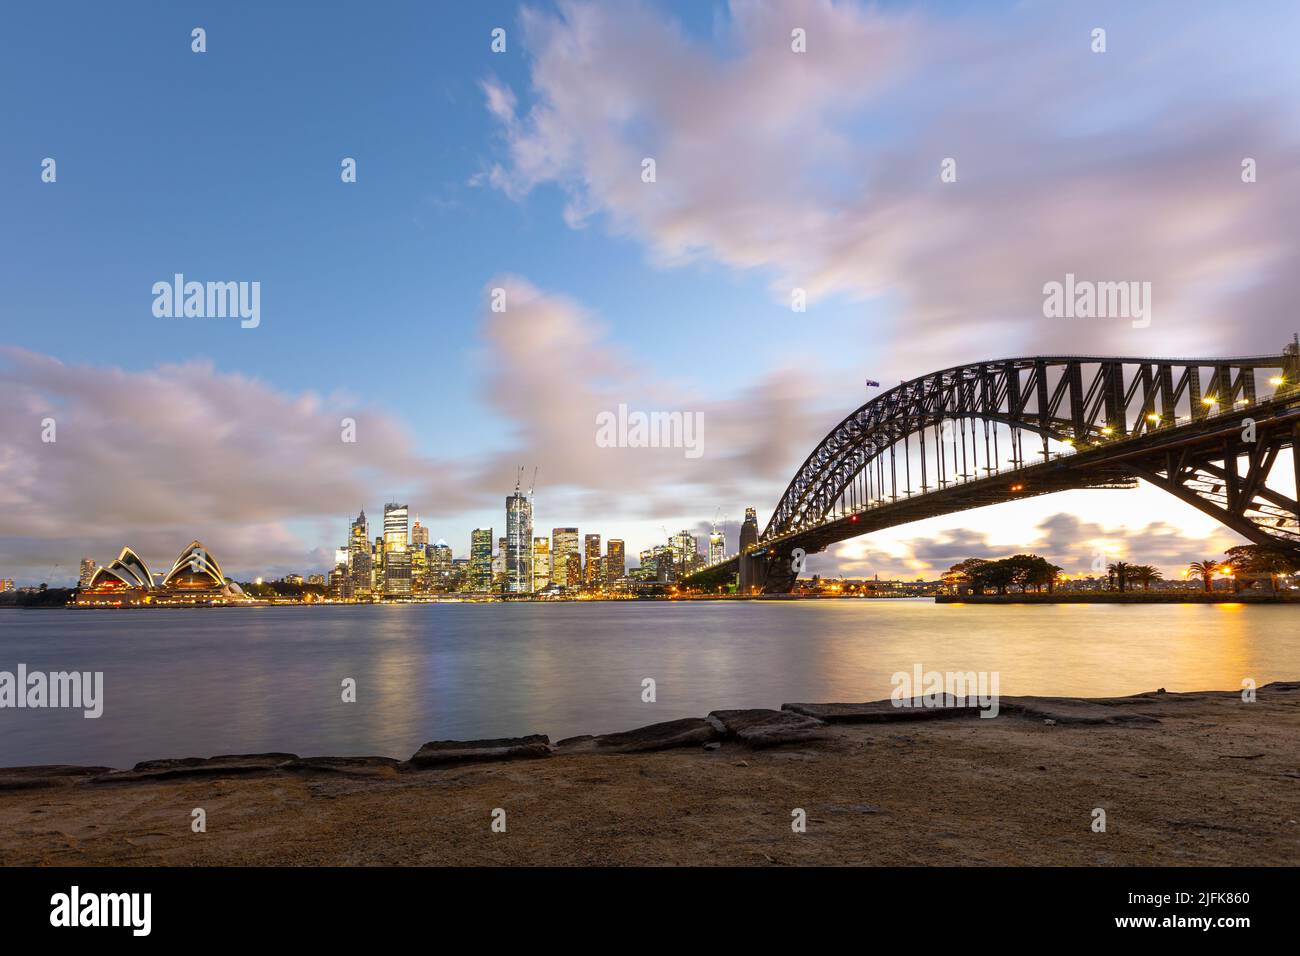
317	578
518	542
88	568
397	556
564	544
657	563
419	534
126	573
397	574
440	567
541	563
591	545
195	578
615	561
419	568
340	584
458	579
360	561
685	549
6	585
480	560
396	527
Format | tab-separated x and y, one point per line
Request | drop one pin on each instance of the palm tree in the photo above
1121	571
1205	571
1144	574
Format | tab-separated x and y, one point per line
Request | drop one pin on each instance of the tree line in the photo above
1026	572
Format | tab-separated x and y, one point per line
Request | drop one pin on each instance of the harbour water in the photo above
198	682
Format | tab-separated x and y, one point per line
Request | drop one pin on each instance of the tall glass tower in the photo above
519	543
397	559
564	548
615	561
480	560
717	546
360	561
591	573
541	563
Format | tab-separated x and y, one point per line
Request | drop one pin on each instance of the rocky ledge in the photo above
796	723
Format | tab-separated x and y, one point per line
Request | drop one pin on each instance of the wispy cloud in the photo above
155	458
822	169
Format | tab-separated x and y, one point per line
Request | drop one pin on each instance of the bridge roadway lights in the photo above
1121	415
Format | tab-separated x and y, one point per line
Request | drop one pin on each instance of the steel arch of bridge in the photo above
1086	400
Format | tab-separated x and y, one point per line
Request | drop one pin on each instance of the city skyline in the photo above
378	297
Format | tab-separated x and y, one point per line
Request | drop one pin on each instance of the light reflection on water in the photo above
240	680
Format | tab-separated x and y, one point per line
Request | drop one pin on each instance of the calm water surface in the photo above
241	680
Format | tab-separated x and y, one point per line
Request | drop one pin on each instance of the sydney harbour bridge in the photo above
1208	431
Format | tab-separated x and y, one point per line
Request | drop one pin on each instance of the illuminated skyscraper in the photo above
396	527
340	584
685	551
480	560
615	561
359	560
88	568
440	563
591	545
717	546
397	573
541	563
657	563
419	554
397	557
564	544
519	542
419	534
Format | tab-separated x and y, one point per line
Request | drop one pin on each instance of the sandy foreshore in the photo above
1201	778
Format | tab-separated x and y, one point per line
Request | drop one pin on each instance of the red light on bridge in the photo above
853	518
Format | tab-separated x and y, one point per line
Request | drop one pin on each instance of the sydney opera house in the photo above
195	578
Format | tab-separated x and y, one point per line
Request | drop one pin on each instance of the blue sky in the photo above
225	166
